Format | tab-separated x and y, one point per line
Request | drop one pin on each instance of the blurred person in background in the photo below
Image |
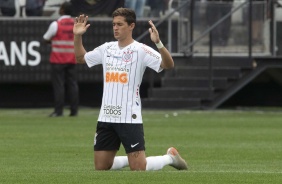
158	7
34	7
63	63
93	8
136	5
8	7
259	15
215	10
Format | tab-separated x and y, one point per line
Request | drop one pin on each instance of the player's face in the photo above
121	29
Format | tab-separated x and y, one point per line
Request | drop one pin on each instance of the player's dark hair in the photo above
128	14
67	8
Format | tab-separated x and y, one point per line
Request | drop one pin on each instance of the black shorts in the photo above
109	136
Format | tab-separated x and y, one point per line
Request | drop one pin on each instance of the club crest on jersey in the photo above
127	56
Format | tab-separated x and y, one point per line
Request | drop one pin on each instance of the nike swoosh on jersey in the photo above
133	145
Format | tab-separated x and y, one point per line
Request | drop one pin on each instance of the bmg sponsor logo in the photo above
121	77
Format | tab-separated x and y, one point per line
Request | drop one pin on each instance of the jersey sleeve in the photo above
152	58
52	31
95	56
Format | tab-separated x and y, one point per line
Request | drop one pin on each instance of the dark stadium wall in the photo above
24	58
24	62
40	95
25	77
264	90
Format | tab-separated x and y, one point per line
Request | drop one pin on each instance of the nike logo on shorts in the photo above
133	145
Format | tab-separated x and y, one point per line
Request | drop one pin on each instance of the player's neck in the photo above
124	43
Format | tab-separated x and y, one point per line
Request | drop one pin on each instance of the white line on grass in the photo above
176	171
252	172
238	172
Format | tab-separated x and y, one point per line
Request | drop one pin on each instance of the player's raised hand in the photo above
154	34
80	25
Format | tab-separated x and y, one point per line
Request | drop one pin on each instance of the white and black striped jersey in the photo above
123	69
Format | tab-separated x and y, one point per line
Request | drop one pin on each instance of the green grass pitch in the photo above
222	146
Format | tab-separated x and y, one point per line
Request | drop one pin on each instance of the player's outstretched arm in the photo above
79	28
167	61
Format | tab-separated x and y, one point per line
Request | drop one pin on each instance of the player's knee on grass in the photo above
100	166
137	166
103	160
137	161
